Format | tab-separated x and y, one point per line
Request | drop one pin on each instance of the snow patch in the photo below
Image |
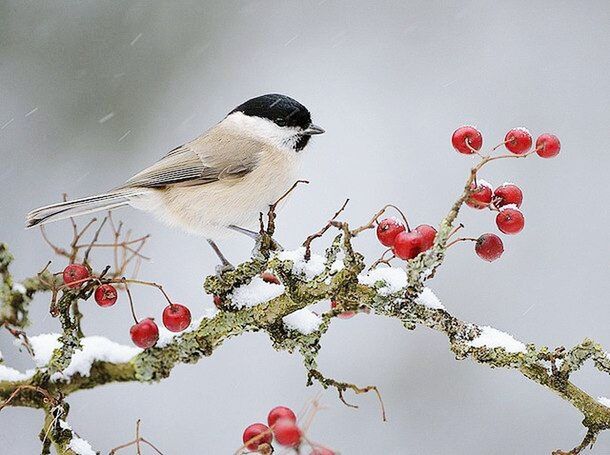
509	206
429	299
494	338
10	374
336	266
63	424
392	279
96	348
312	268
20	288
80	447
43	346
255	292
303	320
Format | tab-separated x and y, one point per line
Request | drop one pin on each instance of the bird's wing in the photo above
207	159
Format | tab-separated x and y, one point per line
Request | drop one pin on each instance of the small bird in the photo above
220	181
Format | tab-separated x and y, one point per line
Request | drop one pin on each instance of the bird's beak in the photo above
313	129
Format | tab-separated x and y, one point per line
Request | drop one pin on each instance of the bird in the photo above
217	183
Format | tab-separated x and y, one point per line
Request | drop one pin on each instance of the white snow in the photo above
507	184
393	279
166	337
494	338
336	266
303	320
96	348
255	292
429	299
509	206
10	374
605	401
310	269
80	447
19	288
43	346
64	425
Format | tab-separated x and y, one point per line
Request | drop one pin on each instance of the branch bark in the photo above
344	284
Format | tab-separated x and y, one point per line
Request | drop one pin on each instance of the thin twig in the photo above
94	239
321	232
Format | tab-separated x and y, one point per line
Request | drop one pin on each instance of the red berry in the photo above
344	315
105	295
287	433
269	277
388	229
467	133
321	451
176	317
280	413
518	141
547	145
256	435
74	274
428	234
506	194
510	220
481	195
408	245
218	302
145	333
489	247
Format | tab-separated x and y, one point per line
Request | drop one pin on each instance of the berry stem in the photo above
472	149
371	223
499	145
461	239
455	230
148	283
133	312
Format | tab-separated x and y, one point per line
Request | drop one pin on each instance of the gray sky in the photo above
91	92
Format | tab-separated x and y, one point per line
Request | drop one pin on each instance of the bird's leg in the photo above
225	265
258	239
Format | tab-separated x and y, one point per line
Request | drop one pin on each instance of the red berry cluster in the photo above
144	333
281	426
507	198
404	242
469	140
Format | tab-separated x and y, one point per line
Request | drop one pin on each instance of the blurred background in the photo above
93	91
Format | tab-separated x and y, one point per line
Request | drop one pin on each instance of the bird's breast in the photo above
207	209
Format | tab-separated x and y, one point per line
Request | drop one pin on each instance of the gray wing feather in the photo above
207	159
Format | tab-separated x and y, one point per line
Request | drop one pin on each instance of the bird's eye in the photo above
280	121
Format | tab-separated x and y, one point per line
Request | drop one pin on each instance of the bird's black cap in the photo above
280	109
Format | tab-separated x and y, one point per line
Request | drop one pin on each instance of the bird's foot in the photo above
263	245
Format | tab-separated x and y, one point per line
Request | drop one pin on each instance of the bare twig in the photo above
321	232
138	439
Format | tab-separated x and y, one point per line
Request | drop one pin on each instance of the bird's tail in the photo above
68	209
